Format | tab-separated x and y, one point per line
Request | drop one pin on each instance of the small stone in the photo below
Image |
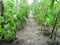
28	41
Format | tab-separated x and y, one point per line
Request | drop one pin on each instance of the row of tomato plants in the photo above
43	12
48	12
14	14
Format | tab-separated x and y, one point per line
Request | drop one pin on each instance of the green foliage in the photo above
1	19
45	11
48	11
23	10
12	16
10	20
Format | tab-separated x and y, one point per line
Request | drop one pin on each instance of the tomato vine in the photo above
12	14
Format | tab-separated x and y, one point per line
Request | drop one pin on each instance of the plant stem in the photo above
2	14
55	23
57	14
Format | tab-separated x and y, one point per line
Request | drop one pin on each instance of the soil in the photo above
30	34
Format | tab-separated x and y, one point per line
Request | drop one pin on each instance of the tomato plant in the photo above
23	11
12	13
48	11
10	18
44	13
